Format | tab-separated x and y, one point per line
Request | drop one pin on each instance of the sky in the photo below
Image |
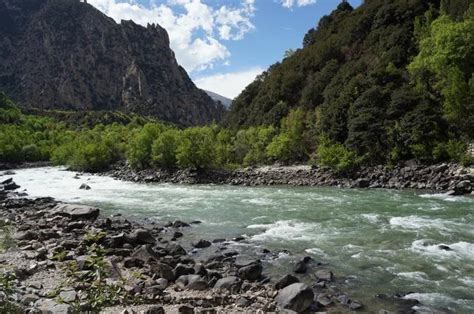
225	44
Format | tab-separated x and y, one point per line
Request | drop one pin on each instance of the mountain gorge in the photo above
66	55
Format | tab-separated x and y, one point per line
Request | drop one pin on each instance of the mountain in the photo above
389	80
224	100
67	55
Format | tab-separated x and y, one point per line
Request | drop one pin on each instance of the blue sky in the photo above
224	44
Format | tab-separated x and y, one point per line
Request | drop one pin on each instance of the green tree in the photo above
196	148
164	149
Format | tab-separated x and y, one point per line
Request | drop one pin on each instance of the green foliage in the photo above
289	145
164	149
335	156
7	287
446	63
139	150
196	148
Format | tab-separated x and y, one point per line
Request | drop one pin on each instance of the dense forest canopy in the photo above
389	80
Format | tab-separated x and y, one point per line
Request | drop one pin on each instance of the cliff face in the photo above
64	54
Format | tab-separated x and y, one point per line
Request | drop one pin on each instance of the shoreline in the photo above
152	264
447	178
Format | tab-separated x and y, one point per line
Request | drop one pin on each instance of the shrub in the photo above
336	156
196	149
163	151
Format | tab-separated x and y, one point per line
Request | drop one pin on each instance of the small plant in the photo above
94	237
6	238
59	256
7	287
97	293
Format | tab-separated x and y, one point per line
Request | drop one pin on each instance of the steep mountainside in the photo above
224	100
64	54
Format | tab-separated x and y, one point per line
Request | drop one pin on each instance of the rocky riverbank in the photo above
66	258
448	178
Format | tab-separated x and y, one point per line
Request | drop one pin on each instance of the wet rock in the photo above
175	249
325	275
286	281
180	224
324	299
76	212
302	266
141	236
251	272
202	244
84	187
243	302
191	282
177	235
444	247
295	297
230	283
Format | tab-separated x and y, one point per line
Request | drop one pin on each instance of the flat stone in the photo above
286	281
76	212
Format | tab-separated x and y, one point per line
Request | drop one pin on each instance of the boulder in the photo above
230	283
251	272
285	281
163	270
141	236
191	282
53	307
180	224
10	186
76	212
145	253
84	187
175	249
202	244
181	270
296	297
325	275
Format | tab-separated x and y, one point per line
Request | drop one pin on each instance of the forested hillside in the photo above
389	80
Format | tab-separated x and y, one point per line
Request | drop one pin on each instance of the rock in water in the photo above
286	281
125	67
202	244
295	297
84	187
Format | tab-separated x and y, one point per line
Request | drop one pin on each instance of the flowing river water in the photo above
376	241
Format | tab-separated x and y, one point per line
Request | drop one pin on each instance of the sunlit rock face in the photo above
65	54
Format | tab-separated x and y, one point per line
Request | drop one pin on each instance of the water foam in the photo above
458	250
417	223
284	230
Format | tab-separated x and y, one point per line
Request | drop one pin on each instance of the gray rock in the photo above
146	253
251	272
50	306
162	283
202	244
76	211
163	270
29	299
68	296
324	274
230	283
191	282
175	249
286	281
295	297
141	236
155	309
84	187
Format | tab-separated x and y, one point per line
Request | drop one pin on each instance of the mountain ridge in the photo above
68	55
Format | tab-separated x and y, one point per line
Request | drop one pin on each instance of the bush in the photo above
139	150
336	156
196	149
163	151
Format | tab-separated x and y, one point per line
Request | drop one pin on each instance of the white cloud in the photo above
228	84
300	3
196	30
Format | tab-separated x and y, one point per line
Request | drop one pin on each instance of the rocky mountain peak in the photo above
65	54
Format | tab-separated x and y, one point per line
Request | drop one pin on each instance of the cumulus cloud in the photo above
299	3
228	84
197	30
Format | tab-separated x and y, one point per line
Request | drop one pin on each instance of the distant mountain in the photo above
224	100
64	54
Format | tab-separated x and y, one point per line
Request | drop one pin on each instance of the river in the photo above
375	241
